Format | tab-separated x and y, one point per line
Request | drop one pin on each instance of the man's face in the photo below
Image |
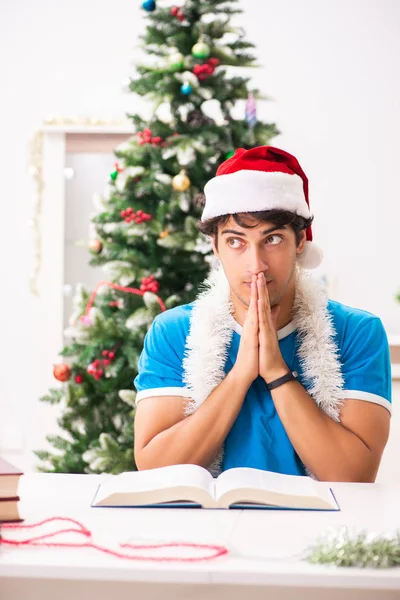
262	249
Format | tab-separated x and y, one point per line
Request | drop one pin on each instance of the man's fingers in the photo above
267	316
262	288
263	300
253	309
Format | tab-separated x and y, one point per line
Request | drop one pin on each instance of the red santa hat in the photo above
262	178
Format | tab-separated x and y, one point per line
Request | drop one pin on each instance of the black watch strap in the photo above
291	376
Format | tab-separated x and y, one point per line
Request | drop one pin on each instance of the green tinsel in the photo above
344	549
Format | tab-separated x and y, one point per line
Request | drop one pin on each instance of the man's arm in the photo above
163	436
347	451
350	450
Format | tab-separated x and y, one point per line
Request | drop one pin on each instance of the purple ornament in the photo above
251	111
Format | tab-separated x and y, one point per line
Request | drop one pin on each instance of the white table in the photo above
259	564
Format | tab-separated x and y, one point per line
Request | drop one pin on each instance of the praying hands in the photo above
259	352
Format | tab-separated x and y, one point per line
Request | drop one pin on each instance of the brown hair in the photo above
278	218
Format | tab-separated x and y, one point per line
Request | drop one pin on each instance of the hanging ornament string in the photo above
251	115
121	289
214	550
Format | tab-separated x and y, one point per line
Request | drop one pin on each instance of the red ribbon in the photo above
40	540
121	289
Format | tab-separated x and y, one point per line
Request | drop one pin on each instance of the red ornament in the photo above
78	378
149	284
96	368
128	215
205	70
176	12
62	372
146	137
94	371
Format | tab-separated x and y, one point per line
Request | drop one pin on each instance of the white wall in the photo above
332	71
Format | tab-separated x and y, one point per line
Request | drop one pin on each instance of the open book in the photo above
191	485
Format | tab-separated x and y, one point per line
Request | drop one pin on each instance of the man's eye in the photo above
231	242
274	240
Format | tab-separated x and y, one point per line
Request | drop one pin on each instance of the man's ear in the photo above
214	247
302	242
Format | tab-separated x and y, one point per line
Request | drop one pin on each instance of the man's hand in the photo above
247	362
271	363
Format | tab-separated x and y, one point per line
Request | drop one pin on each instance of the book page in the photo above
155	479
243	477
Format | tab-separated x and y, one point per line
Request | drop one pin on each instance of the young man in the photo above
262	370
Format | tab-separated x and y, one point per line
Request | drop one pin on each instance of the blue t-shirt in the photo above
257	438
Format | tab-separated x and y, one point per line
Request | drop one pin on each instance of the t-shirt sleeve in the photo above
160	369
366	364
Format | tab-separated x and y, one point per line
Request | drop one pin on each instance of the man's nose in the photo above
257	263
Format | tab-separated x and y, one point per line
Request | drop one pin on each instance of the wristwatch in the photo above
291	376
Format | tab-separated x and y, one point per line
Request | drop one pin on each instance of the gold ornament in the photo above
95	246
181	182
164	234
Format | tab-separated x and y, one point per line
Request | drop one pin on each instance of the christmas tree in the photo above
147	238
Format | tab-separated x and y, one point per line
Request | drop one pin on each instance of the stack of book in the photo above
9	499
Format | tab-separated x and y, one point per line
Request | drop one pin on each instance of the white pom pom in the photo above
311	257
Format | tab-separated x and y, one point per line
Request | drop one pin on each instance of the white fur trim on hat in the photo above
311	257
252	191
